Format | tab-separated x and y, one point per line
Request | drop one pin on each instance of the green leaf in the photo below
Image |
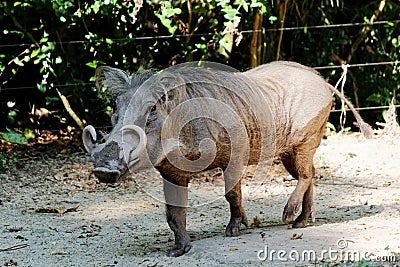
96	7
42	87
92	64
346	129
35	53
330	126
28	133
11	116
225	45
14	137
18	62
223	2
273	18
10	104
245	6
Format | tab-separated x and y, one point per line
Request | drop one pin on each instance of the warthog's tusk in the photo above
142	140
88	133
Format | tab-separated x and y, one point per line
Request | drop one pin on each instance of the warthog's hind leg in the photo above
301	167
307	209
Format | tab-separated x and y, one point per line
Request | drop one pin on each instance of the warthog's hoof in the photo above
177	251
233	228
300	224
304	218
290	211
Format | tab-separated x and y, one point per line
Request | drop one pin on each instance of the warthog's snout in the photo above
113	158
106	175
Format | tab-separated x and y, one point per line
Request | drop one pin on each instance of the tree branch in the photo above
365	30
189	22
255	49
283	16
19	26
69	110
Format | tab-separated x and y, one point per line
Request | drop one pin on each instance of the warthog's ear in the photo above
112	81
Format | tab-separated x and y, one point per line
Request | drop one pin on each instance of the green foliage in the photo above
165	12
330	126
57	44
2	162
6	160
18	137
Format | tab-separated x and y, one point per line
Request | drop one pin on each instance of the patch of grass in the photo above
365	263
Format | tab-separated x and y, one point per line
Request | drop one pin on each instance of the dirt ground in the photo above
53	212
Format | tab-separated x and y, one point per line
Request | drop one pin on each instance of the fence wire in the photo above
368	64
158	37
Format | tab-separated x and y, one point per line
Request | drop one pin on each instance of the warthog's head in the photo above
139	113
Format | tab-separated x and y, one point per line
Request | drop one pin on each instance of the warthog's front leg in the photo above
176	218
238	215
176	209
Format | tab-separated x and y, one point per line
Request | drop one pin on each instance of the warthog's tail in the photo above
365	128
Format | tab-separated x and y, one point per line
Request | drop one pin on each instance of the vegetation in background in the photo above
2	162
50	48
6	160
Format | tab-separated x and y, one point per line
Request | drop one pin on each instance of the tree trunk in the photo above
255	46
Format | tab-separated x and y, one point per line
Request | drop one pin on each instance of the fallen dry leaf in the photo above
296	236
351	155
256	222
60	210
10	263
60	252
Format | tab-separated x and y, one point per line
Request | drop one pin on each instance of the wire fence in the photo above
158	37
366	108
367	64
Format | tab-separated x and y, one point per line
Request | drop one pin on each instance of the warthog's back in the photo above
297	96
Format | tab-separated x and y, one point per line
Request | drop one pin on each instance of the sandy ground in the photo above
54	213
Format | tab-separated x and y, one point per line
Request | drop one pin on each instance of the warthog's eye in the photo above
152	116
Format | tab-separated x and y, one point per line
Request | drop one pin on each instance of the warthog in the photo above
188	119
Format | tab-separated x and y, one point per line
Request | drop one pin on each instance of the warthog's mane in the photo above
138	78
231	88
